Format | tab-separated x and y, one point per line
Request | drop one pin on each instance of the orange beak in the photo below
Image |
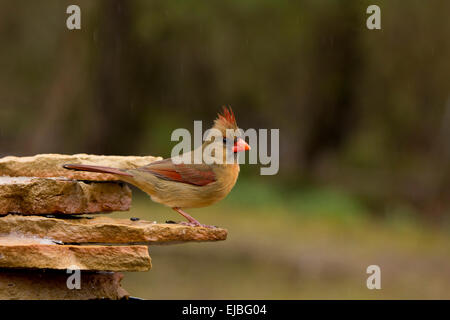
240	145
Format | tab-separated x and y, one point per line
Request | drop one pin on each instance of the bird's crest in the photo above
225	120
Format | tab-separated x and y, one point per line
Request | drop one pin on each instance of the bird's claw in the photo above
193	224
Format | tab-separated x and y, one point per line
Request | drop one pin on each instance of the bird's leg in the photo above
187	216
192	221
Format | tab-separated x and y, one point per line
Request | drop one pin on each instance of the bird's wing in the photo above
195	174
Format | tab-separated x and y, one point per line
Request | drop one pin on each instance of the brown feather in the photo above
195	174
99	169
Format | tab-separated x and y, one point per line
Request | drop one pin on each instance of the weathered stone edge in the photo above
50	165
62	257
45	285
28	195
107	230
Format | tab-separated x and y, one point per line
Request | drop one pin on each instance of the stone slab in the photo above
106	230
46	285
34	253
50	165
27	195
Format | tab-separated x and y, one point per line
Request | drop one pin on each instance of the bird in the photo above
194	184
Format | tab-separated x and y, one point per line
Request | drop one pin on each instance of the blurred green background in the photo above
364	119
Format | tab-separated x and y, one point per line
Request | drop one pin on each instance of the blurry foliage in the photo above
364	112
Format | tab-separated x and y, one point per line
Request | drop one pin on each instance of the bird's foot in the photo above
192	222
196	224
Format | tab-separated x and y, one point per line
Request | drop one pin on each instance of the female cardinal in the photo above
188	185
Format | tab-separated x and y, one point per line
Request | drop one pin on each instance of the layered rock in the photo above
46	285
17	251
50	165
36	249
27	195
106	230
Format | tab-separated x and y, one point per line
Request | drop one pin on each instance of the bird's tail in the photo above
99	169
